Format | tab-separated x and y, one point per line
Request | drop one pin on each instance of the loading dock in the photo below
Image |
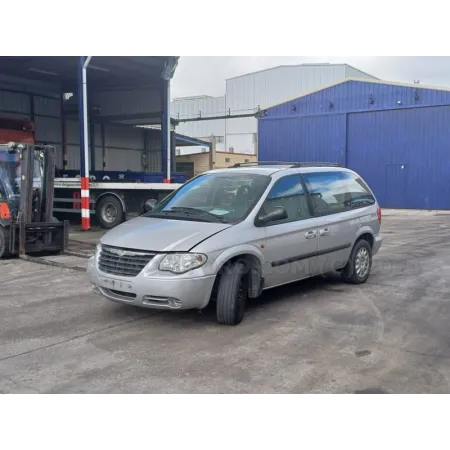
121	94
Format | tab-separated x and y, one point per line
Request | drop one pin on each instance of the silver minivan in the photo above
229	234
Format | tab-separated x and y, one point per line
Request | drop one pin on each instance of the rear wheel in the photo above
232	295
4	242
358	268
109	212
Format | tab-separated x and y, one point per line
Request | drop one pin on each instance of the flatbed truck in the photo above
112	201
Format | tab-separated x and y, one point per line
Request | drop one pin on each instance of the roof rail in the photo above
264	163
284	163
317	164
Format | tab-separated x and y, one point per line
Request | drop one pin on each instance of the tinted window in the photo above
333	192
288	192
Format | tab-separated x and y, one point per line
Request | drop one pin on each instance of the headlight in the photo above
98	249
182	262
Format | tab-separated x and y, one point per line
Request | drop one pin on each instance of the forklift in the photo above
27	225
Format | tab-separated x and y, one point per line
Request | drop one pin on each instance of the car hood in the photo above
145	233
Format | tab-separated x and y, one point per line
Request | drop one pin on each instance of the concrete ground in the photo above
390	335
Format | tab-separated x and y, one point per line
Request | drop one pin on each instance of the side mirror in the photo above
150	205
277	213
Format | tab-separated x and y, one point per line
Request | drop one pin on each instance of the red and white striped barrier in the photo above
85	204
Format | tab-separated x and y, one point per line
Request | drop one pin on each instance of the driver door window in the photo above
288	193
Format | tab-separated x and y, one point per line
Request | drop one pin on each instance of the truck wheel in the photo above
232	295
109	212
4	242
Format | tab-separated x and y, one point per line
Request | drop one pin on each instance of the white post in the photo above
85	196
169	125
86	119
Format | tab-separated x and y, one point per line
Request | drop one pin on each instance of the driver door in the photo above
291	244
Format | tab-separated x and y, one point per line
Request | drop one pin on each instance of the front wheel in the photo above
358	268
109	212
232	295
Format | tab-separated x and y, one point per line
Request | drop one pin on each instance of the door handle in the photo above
325	232
310	235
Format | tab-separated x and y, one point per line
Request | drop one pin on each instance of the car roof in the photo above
270	169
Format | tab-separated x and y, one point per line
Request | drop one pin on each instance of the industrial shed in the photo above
397	136
122	93
236	126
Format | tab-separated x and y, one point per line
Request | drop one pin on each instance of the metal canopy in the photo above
105	72
187	141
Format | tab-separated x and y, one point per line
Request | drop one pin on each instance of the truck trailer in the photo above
115	196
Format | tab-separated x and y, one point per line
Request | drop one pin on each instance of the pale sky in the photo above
206	75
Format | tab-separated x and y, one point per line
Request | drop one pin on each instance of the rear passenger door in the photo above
337	199
292	242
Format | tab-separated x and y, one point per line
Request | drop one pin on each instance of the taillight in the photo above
379	215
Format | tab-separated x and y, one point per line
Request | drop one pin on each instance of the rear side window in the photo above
334	192
288	192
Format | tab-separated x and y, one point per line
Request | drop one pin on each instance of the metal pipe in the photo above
169	147
85	118
85	210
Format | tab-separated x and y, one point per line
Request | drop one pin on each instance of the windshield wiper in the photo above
196	211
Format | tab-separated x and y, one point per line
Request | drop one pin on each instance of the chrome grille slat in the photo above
129	264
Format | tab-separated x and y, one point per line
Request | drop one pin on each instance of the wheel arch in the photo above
367	234
112	194
254	263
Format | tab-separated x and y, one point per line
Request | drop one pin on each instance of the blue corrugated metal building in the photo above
396	136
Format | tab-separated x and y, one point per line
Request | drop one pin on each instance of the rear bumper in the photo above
152	292
377	242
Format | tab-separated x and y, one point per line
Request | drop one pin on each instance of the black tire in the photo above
351	273
232	294
109	212
4	243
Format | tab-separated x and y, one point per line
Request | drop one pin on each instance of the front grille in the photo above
123	262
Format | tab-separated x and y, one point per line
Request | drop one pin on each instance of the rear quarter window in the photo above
334	192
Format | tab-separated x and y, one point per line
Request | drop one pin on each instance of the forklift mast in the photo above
27	224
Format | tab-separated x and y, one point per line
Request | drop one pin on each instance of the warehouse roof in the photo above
301	65
103	71
362	80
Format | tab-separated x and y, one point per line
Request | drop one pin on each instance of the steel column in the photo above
84	142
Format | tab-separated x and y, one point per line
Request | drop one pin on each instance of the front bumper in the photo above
174	293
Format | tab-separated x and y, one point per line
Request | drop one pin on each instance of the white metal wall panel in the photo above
127	101
13	115
124	137
72	132
73	157
277	85
241	143
11	101
48	130
154	161
98	158
209	107
243	125
273	86
26	85
352	72
98	134
118	159
47	106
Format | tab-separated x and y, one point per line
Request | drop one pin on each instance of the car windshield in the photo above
214	197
